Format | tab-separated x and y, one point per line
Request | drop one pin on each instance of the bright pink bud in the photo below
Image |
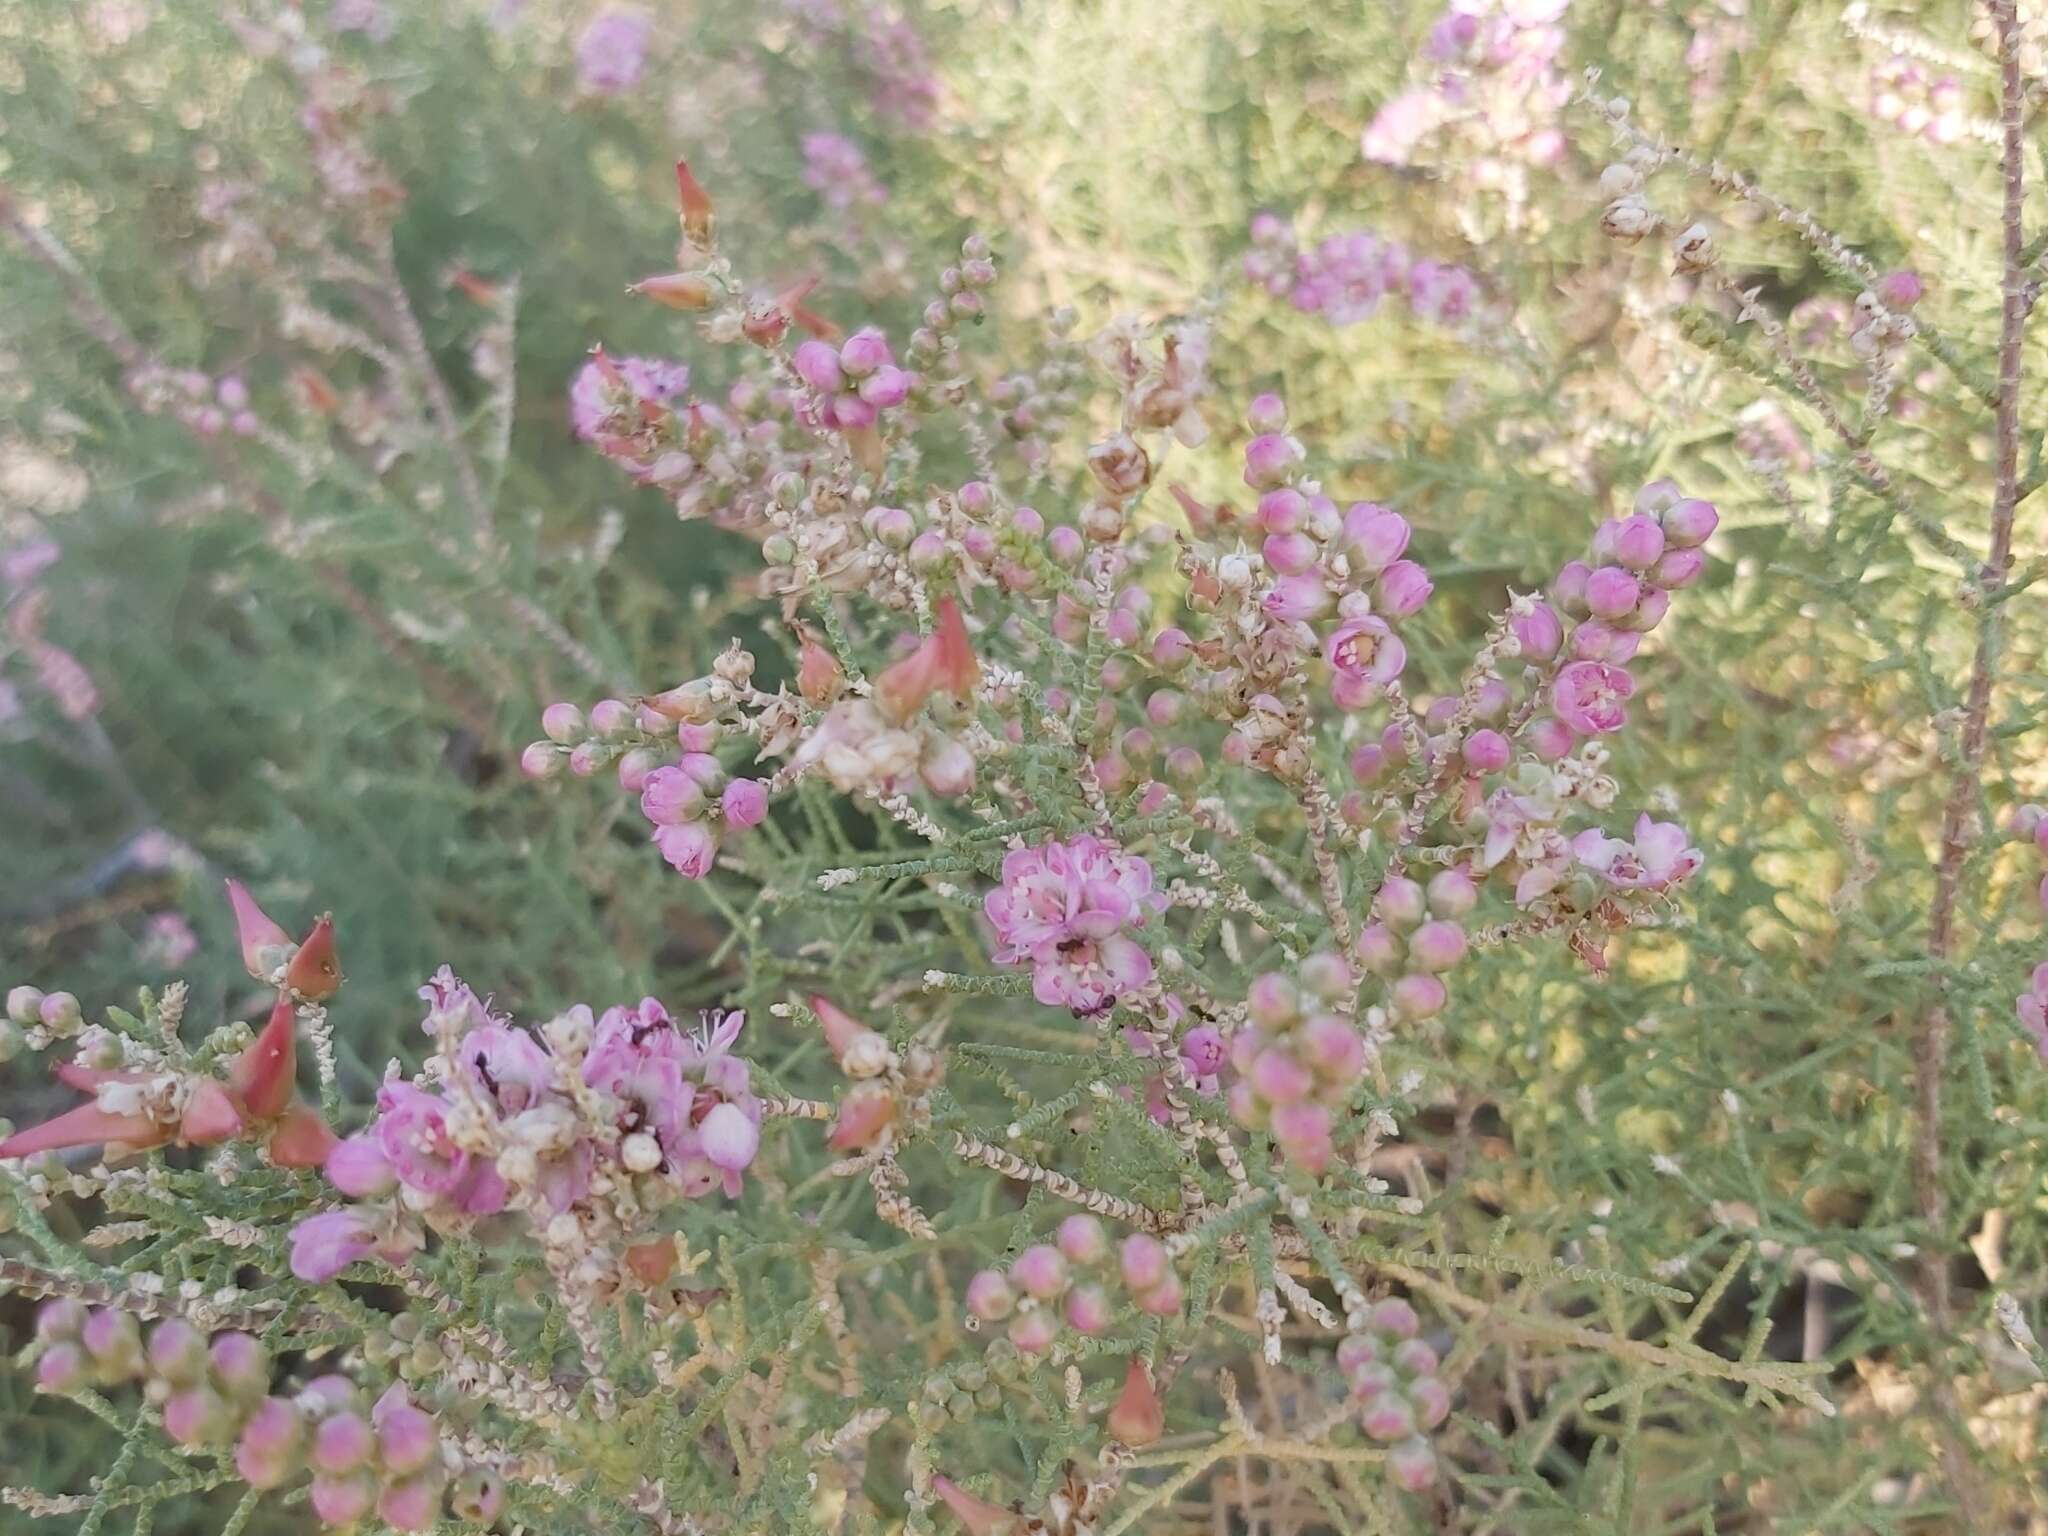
177	1352
1282	510
407	1437
1268	459
240	1364
562	724
1452	892
342	1442
1611	592
540	760
730	1138
1379	950
61	1368
690	848
1901	290
1336	1051
1403	588
1267	413
1204	1050
269	1444
1411	1465
1143	1262
1377	536
864	351
196	1417
817	364
1690	522
1039	1271
1570	587
1638	542
886	388
1163	1299
1272	1000
1302	1132
1172	649
1082	1240
989	1296
1396	1317
634	768
342	1501
1290	553
745	802
1487	751
1278	1078
1549	738
1437	945
1301	596
1401	903
412	1505
1418	996
1033	1332
1539	631
1388	1417
1088	1310
1679	568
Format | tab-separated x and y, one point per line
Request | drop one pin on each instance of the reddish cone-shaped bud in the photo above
264	941
842	1030
315	971
865	1112
676	290
694	204
819	677
979	1516
653	1262
943	662
1136	1418
301	1140
86	1126
262	1078
210	1116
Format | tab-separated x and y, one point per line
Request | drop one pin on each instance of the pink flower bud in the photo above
690	848
730	1138
1376	536
1901	290
1143	1262
1267	413
240	1364
1679	568
1282	510
1401	903
1065	544
1569	589
1388	1417
62	1318
1302	596
1437	945
1417	996
886	388
1268	459
850	413
635	766
1336	1051
1539	631
861	353
1414	1357
113	1338
612	718
745	802
1302	1132
412	1505
341	1443
61	1368
1204	1050
1278	1078
1549	738
1432	1401
585	758
1638	542
1272	1000
1402	589
1356	1351
818	366
1452	892
1290	553
1690	522
1379	950
1088	1310
1411	1465
407	1437
1487	751
1395	1318
359	1169
1039	1271
1611	592
269	1445
1163	1299
1649	612
669	795
562	724
989	1296
1082	1240
1033	1332
541	760
342	1501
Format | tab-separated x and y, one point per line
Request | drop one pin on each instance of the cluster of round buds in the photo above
1063	1282
1393	1378
202	404
1416	937
960	298
1298	1058
1617	598
216	1392
1904	95
35	1018
691	801
855	381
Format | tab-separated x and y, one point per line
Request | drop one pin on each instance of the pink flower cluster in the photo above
1346	276
613	401
1416	936
1049	1283
1493	74
540	1124
837	171
1063	909
216	1392
611	53
1394	1381
1298	1059
1904	95
855	381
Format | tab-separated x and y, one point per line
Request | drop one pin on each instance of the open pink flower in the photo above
1592	697
1660	856
1063	907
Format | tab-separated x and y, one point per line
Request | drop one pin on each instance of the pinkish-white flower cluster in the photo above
1907	96
605	1119
1490	73
1346	276
1392	1373
1298	1058
1064	909
1059	1283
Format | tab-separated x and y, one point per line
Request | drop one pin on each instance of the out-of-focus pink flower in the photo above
1660	856
612	52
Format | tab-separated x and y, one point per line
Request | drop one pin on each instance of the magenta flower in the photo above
837	171
612	52
2032	1007
1364	656
324	1245
506	1065
1660	856
1063	908
1591	697
611	390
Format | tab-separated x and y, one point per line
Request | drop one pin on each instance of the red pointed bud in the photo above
694	204
302	1138
819	677
315	971
865	1112
1136	1418
210	1116
943	662
652	1263
265	944
676	290
86	1126
979	1516
261	1078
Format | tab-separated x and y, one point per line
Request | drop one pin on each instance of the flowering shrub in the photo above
1228	950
